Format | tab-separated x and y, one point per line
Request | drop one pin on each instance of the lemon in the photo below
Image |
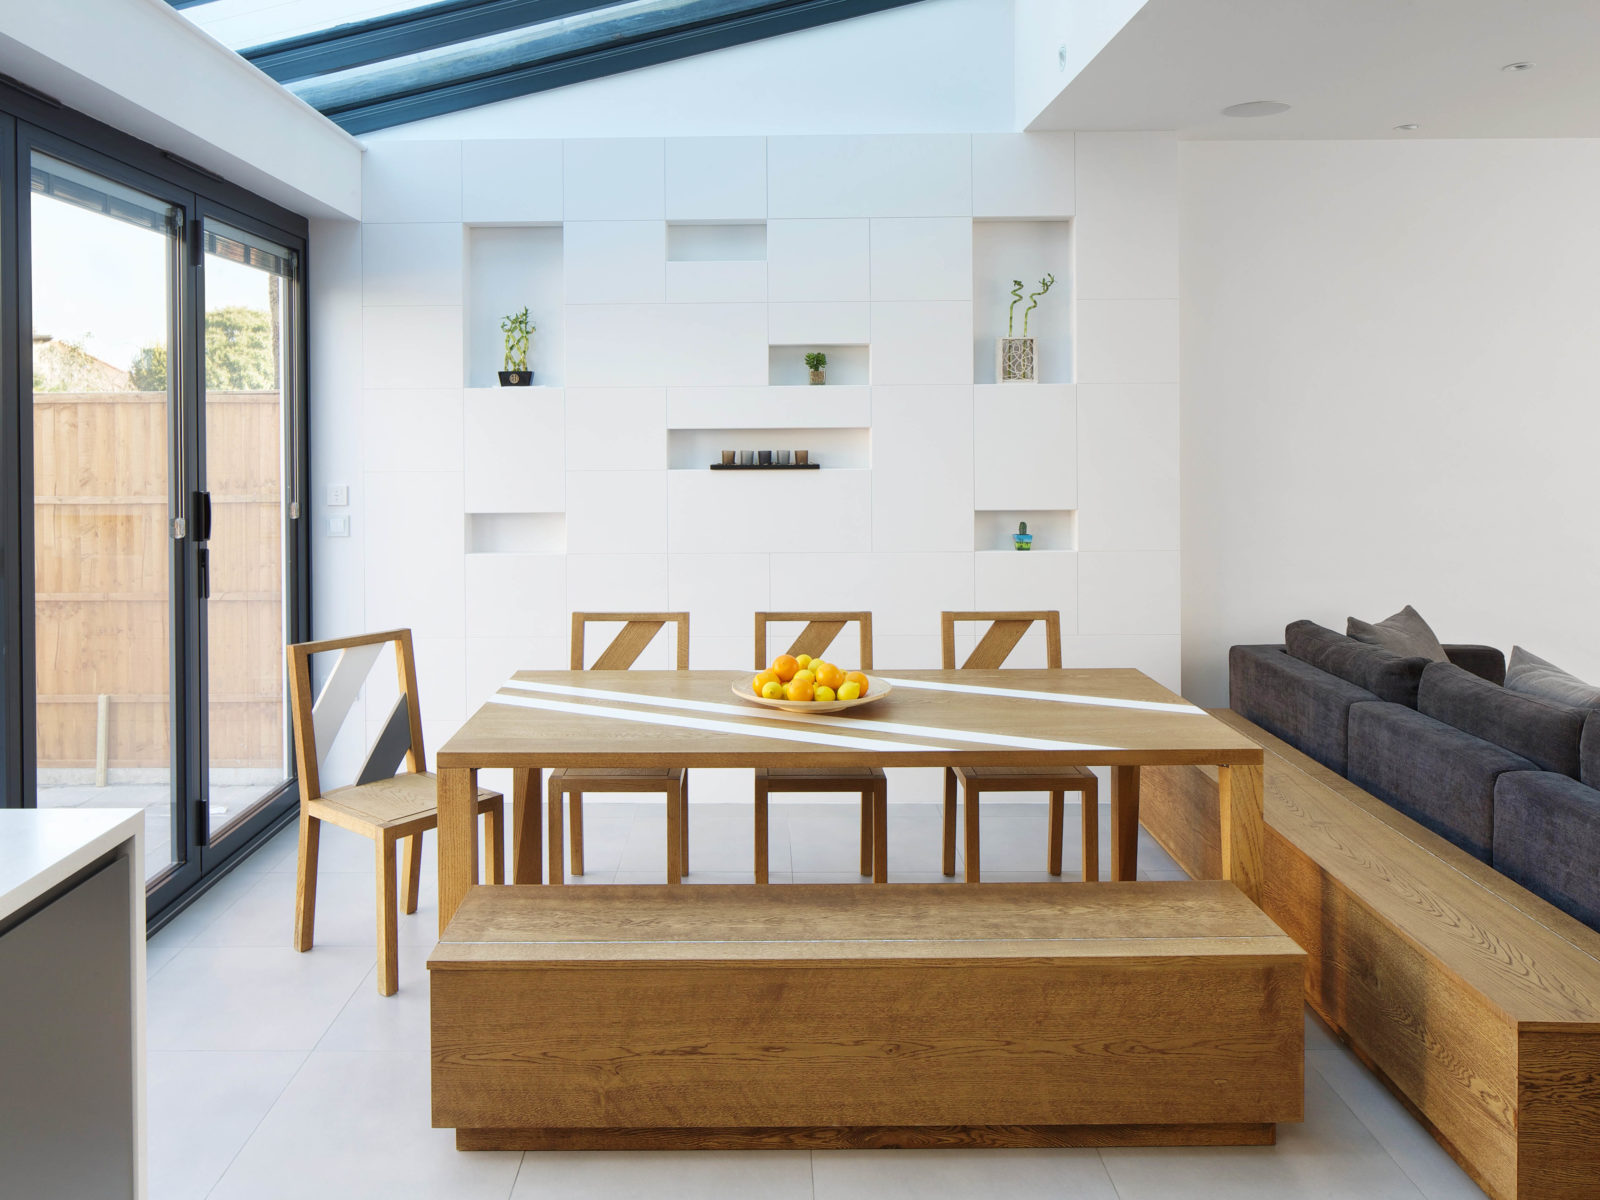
804	660
805	676
823	692
772	690
849	690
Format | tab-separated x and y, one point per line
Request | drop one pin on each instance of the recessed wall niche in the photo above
706	241
1003	251
510	267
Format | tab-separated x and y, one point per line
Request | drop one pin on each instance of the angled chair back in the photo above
821	628
318	722
637	632
1005	630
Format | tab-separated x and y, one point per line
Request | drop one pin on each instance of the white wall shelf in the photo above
847	365
696	449
713	241
829	406
511	267
516	533
1003	251
1052	529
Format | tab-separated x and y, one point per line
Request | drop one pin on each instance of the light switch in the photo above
338	495
339	526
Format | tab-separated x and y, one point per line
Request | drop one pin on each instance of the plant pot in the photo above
516	378
1022	541
1016	360
819	377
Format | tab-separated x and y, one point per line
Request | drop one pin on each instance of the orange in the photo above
829	676
799	689
784	667
857	677
764	678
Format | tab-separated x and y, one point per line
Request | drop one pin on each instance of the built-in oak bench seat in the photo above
1478	1002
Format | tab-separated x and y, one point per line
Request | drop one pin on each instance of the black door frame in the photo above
31	121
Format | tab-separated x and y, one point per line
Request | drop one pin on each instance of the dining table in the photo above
1114	718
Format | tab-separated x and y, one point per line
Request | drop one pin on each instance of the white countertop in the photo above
41	847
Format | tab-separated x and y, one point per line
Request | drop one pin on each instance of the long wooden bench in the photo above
1476	1002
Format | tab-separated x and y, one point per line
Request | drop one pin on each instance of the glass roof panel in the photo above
238	24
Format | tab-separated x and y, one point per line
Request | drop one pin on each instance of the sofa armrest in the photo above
1483	661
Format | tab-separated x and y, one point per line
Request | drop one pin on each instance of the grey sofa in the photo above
1512	780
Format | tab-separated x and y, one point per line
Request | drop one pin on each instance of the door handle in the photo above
202	516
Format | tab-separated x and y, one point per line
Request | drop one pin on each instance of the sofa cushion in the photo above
1547	838
1533	676
1435	774
1589	750
1545	734
1387	676
1405	634
1305	706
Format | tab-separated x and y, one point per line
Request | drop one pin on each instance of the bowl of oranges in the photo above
806	684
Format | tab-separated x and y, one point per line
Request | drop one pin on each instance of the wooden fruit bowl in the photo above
877	689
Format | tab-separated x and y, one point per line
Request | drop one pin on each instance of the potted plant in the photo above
1017	358
817	364
518	330
1022	539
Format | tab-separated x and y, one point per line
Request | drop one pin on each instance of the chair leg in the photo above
674	832
763	849
494	839
558	872
683	823
868	834
880	832
305	892
949	821
411	882
576	802
971	847
1091	831
388	921
1058	802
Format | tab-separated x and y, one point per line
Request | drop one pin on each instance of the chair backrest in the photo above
1005	631
820	631
638	631
317	723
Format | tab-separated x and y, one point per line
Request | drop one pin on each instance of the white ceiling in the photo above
1349	68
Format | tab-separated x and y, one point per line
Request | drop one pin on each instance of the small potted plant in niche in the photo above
1017	358
817	364
518	330
1022	539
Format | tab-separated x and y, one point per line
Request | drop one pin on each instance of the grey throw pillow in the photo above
1533	676
1405	634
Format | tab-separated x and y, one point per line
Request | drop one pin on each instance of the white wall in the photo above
1391	381
938	66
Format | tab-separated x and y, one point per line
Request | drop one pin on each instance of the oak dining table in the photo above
1117	718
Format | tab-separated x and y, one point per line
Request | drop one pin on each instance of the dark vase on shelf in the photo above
516	378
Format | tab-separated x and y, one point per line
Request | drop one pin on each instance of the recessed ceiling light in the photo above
1256	108
1407	128
1518	66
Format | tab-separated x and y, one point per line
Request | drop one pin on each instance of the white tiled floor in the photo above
276	1074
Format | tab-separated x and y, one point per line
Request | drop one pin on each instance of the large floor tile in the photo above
397	1023
252	998
203	1106
916	1174
355	1126
704	1175
346	912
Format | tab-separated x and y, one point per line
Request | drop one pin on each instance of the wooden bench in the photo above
842	1015
1476	1002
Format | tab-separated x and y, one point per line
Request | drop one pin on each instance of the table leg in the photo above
1124	823
527	833
555	838
1243	827
458	838
880	833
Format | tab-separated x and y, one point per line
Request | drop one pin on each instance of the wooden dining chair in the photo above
1005	630
383	805
637	632
820	630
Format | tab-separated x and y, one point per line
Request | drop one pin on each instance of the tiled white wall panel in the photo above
927	342
905	592
511	180
616	582
1035	579
921	468
615	262
1127	341
820	324
711	512
818	260
1022	175
616	429
1127	222
414	535
1128	592
411	181
411	263
828	407
616	512
711	282
516	595
514	450
643	345
920	175
1158	656
411	347
716	178
491	661
921	258
1128	466
1024	446
719	592
613	179
411	429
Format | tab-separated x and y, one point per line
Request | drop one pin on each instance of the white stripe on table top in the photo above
791	717
1058	697
687	722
